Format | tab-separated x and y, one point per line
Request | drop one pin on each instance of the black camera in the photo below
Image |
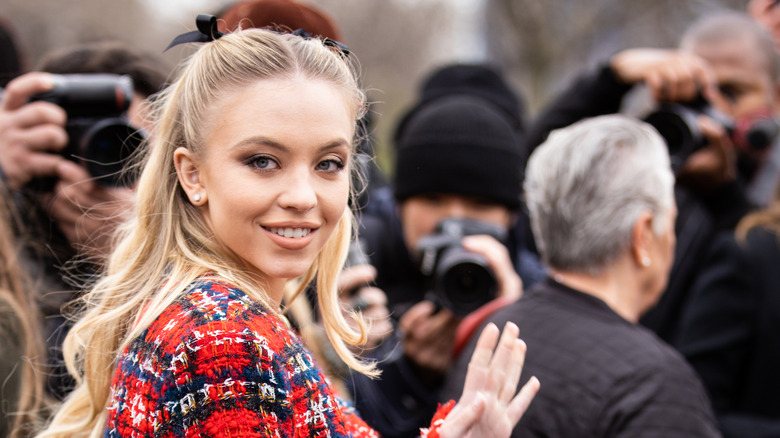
100	136
460	280
677	124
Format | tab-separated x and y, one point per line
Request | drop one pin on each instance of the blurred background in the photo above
539	43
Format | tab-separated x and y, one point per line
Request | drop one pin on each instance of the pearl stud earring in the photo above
196	197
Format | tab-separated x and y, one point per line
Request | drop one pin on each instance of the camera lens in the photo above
108	145
677	125
466	283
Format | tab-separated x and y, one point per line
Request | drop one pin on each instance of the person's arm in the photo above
591	94
670	75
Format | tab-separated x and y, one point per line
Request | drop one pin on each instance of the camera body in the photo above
99	133
460	280
677	124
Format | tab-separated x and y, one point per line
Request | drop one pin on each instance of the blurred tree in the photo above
540	43
543	43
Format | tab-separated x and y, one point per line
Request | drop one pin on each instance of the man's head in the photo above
744	62
593	189
457	157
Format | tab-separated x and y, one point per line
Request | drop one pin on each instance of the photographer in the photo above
730	61
456	193
68	225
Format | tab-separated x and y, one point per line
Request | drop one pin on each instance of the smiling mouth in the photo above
295	233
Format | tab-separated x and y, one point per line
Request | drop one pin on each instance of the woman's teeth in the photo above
294	233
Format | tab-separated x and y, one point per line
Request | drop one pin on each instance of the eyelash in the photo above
252	162
338	162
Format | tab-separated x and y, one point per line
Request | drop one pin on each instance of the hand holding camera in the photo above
670	75
100	135
463	280
359	295
31	134
703	141
39	118
45	118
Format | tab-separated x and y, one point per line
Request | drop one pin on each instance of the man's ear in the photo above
189	176
641	238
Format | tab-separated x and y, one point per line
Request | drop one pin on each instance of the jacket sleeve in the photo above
591	94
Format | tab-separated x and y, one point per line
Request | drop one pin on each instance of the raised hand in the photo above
489	405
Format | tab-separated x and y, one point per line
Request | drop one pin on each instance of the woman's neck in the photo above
275	289
617	286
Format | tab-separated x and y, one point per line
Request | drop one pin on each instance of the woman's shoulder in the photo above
211	308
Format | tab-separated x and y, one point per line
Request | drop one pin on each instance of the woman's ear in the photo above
188	173
641	239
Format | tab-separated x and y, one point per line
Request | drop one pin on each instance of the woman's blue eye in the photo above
263	163
330	165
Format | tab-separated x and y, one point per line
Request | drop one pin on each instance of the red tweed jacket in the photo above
216	363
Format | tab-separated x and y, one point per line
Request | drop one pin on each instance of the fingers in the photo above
714	165
414	315
46	138
508	387
71	173
463	417
355	276
506	363
19	90
429	338
37	165
522	400
35	114
682	77
670	75
480	361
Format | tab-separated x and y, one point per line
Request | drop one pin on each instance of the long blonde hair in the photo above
168	244
15	294
767	217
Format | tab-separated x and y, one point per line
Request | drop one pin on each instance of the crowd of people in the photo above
246	269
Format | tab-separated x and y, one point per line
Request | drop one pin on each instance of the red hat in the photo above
281	15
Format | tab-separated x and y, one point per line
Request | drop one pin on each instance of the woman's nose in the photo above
298	192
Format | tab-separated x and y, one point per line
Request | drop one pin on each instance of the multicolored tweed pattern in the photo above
216	363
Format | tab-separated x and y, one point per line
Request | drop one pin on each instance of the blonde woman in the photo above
244	193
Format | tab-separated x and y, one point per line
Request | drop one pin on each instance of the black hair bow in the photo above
326	41
207	31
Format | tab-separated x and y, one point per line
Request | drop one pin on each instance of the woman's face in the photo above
274	172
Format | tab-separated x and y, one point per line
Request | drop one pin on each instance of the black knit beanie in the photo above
481	80
459	145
